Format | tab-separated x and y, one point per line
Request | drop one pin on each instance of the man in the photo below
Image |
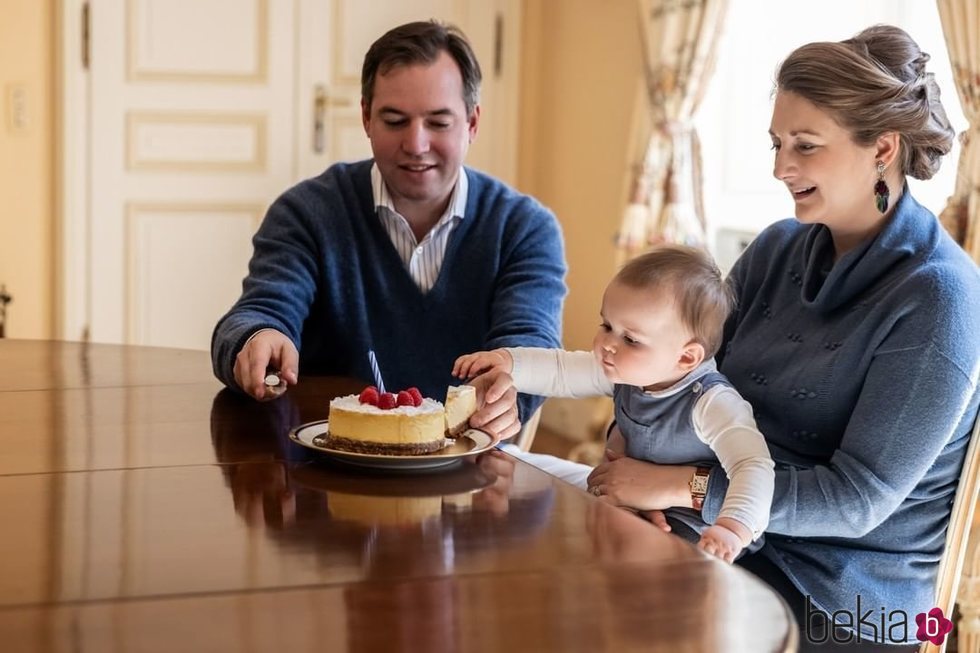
410	254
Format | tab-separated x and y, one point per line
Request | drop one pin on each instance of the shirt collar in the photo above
457	202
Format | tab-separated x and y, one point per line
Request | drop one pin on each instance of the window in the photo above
741	195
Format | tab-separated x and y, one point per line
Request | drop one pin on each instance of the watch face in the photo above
699	484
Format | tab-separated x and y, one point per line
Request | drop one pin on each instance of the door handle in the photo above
319	115
321	101
5	299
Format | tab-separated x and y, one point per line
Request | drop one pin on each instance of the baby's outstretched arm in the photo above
725	538
468	366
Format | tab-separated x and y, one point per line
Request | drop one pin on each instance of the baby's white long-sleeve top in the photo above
721	418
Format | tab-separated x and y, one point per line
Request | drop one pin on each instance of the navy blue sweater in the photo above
863	376
325	273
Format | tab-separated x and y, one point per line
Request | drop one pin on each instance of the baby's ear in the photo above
691	356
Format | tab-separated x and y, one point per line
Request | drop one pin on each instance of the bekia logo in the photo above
933	626
878	626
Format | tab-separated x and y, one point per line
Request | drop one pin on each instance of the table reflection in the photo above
147	509
388	525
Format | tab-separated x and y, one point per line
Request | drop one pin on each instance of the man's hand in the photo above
497	398
267	349
469	365
261	494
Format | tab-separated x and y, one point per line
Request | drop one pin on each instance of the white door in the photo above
199	114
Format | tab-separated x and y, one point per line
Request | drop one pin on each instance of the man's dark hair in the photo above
422	42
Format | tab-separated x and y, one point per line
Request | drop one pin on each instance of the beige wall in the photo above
581	65
26	167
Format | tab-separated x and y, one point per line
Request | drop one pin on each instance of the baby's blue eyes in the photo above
632	342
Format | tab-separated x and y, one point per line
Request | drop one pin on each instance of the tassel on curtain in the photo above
680	39
961	27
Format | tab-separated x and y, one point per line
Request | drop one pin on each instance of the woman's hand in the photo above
636	484
658	518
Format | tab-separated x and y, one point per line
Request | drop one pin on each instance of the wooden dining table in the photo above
144	507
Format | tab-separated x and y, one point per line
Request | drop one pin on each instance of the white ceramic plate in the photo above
469	443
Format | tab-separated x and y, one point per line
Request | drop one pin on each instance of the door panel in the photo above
201	112
191	107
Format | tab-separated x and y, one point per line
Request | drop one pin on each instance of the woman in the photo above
855	341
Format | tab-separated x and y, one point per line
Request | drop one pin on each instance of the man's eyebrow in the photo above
437	112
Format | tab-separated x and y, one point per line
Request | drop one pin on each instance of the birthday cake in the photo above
402	424
460	404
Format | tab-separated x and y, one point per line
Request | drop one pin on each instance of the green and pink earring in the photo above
881	189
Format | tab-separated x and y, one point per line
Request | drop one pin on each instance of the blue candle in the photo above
376	371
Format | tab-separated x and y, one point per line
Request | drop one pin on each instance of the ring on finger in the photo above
595	490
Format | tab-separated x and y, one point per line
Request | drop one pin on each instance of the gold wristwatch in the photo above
699	486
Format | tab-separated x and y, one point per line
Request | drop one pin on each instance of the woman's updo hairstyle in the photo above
874	83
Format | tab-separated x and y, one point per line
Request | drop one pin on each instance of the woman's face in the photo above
830	177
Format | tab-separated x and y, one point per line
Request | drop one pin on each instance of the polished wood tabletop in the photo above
145	508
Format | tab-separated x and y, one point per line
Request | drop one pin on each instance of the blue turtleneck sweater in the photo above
326	274
863	377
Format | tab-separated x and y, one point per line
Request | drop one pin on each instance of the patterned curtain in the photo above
680	38
961	26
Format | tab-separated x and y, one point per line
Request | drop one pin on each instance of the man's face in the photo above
420	132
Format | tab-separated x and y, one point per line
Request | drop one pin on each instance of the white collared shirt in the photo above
423	260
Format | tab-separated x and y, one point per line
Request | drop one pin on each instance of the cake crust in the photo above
377	448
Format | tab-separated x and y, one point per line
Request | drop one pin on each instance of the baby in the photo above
662	321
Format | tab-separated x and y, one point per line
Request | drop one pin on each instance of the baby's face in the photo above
642	340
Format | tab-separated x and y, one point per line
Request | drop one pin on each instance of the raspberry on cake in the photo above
398	424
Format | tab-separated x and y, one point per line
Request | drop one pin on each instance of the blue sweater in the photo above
325	273
863	375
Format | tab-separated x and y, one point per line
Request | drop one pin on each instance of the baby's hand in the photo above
721	542
468	366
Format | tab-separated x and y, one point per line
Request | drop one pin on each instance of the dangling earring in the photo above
881	189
